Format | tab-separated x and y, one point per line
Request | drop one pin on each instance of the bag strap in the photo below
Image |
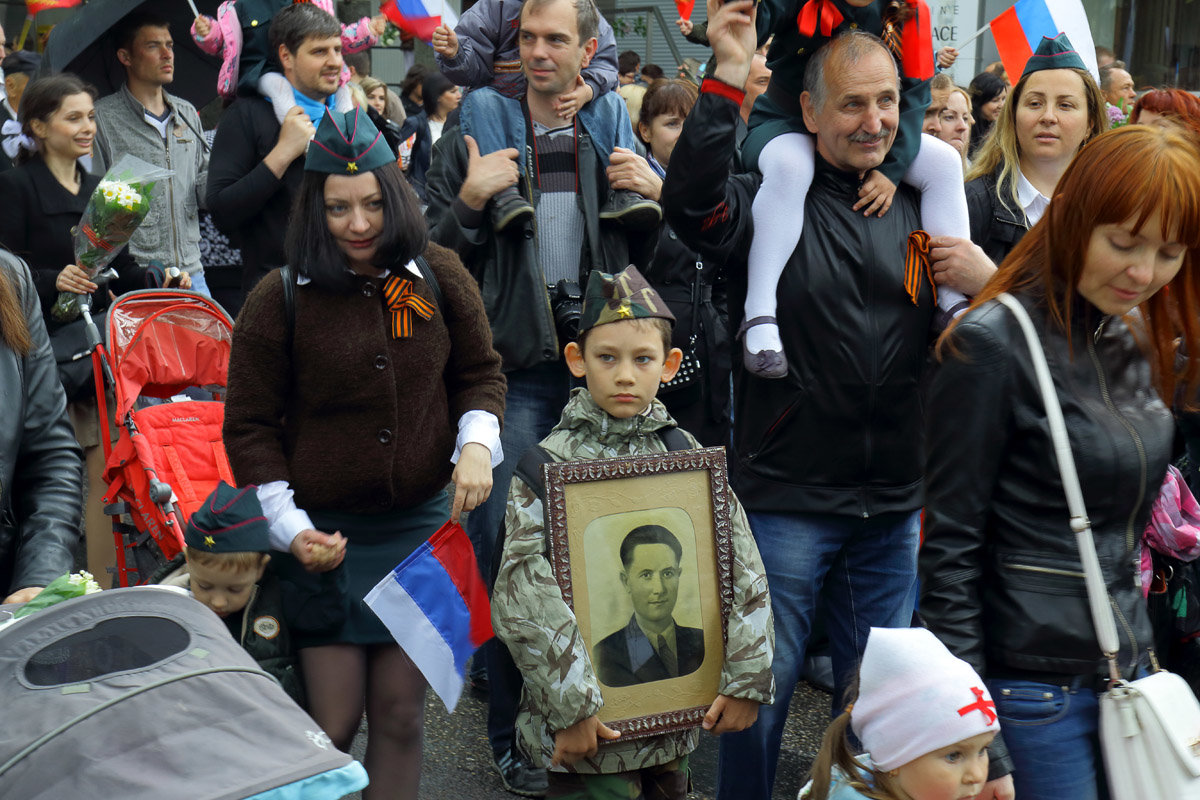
427	274
1098	599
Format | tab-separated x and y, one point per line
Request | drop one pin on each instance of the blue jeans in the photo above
200	284
1052	733
497	122
533	405
863	574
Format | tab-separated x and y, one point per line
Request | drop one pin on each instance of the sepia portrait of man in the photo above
652	646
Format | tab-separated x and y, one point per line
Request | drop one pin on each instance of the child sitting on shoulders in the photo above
779	146
224	566
925	720
624	352
482	53
240	35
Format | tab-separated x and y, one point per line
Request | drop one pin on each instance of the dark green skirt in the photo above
376	544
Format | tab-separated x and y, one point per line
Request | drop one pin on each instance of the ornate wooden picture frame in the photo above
641	547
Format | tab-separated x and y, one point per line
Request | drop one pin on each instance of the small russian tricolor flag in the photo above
418	17
1019	30
436	608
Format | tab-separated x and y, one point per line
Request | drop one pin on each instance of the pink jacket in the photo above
225	39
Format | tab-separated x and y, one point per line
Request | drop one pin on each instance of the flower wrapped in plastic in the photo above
61	588
114	211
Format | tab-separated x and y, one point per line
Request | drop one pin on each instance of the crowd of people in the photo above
531	250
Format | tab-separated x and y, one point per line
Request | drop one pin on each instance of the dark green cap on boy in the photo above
230	521
1056	53
347	143
626	295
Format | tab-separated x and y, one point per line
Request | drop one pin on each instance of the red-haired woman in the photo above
1109	276
1168	108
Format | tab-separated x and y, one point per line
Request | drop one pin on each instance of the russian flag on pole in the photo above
436	608
1020	29
419	17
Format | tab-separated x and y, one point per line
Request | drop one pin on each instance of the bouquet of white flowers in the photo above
113	213
61	588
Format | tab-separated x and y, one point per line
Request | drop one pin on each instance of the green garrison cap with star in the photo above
626	295
347	143
230	521
1056	53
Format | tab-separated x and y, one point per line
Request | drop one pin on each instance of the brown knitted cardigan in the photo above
355	420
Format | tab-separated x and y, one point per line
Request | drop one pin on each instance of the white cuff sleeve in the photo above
284	520
483	428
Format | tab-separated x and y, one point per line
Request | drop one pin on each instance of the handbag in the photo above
72	353
1150	727
691	368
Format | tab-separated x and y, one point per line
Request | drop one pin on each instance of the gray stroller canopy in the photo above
142	693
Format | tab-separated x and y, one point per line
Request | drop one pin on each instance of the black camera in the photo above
566	301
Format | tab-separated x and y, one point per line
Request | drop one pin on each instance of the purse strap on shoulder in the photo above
1098	598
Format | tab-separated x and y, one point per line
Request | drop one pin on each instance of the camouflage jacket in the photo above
530	616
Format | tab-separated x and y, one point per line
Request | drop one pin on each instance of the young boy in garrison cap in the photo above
224	566
624	352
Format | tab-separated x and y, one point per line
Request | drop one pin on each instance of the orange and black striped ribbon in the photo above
401	300
916	266
892	25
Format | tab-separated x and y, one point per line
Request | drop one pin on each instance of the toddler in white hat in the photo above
924	719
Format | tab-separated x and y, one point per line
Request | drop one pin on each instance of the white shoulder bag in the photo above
1149	728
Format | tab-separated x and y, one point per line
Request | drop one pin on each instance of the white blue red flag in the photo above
1019	30
436	608
419	17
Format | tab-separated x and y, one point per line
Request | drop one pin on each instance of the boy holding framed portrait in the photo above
649	600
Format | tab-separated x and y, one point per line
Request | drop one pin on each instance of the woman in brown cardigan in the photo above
349	407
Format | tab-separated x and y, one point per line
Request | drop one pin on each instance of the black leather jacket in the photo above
506	265
1000	570
842	432
997	223
41	466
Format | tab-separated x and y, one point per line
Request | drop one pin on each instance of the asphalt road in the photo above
457	763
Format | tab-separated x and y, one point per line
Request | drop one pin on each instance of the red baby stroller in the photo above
168	457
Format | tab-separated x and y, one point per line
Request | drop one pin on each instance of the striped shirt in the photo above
559	217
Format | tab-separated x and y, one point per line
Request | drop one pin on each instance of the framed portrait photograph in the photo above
642	550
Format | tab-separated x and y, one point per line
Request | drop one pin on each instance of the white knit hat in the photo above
914	697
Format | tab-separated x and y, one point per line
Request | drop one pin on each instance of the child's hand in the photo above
730	714
472	478
628	170
685	25
876	194
568	105
946	57
445	41
318	552
581	740
378	25
203	26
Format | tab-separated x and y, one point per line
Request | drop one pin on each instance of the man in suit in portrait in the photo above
652	647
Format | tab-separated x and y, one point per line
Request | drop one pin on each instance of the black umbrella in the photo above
84	44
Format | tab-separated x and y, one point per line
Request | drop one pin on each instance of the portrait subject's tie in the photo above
668	656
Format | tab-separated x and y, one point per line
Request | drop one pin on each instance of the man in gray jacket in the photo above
142	119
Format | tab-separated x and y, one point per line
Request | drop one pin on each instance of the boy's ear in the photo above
574	356
671	365
262	566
